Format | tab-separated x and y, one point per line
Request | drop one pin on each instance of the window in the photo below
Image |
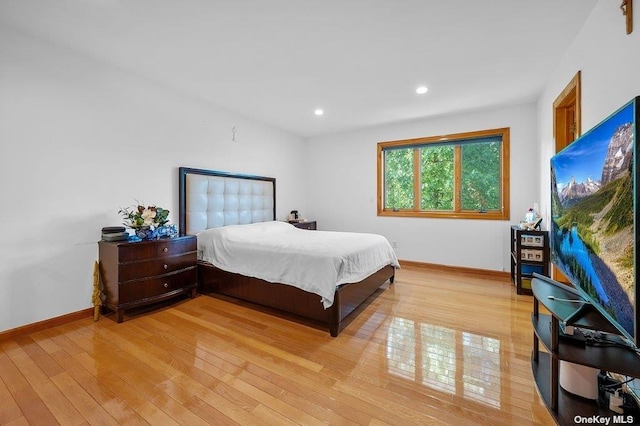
464	176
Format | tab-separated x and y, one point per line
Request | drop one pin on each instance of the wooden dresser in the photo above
133	274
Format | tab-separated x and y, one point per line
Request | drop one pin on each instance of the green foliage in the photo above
481	176
577	270
398	179
620	215
436	177
626	261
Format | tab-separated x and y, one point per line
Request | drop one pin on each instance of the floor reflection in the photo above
450	361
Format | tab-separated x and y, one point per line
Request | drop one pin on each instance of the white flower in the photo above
140	216
148	214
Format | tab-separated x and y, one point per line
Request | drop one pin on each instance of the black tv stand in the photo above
562	286
545	366
576	337
582	310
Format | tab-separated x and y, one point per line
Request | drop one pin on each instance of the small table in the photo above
310	225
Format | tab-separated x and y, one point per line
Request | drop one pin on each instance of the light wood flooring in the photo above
433	348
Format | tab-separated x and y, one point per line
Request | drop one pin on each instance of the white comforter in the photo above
315	261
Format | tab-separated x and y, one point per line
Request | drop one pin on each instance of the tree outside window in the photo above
456	176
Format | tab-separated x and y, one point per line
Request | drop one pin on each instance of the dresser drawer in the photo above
136	291
156	248
134	274
162	265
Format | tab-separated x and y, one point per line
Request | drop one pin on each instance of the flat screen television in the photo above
594	226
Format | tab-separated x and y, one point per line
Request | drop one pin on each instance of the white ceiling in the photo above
360	60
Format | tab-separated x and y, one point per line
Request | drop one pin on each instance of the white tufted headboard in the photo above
210	199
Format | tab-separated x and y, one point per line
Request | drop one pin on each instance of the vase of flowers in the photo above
145	233
145	220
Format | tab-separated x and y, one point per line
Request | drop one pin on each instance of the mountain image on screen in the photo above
592	204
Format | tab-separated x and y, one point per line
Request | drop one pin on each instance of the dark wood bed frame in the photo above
288	300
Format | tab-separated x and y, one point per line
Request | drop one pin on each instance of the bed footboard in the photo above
291	300
349	296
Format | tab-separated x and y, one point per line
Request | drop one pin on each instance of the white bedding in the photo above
315	261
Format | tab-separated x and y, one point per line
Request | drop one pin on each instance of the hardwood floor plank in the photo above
177	412
9	410
228	377
209	413
270	417
306	400
20	421
36	396
154	416
272	351
98	386
287	410
434	348
82	401
33	408
42	384
39	356
218	394
10	375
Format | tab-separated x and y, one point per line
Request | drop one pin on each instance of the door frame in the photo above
568	103
567	126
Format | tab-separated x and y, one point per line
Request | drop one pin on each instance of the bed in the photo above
214	205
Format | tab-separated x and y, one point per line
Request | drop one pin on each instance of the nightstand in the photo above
310	225
133	274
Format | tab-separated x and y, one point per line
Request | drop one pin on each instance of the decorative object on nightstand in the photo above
115	233
532	219
169	230
133	274
145	221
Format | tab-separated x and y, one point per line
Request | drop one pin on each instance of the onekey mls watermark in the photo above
616	419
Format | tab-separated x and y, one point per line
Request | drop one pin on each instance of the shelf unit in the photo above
529	254
545	365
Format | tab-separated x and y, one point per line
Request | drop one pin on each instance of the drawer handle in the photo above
166	285
165	266
166	249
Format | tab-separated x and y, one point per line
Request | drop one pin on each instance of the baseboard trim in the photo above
487	273
86	313
45	324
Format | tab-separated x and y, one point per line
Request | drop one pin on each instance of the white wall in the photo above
342	185
80	139
609	61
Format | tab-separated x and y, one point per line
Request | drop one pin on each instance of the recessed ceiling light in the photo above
422	90
318	111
